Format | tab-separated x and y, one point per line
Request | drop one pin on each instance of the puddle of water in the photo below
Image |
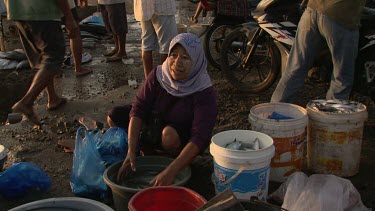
108	76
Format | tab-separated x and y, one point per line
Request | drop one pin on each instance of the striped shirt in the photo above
234	8
33	10
145	9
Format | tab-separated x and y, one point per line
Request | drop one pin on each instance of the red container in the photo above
166	198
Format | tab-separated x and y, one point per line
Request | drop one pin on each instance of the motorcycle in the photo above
214	28
254	55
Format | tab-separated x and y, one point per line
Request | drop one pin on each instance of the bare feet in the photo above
117	57
110	53
55	105
26	111
84	71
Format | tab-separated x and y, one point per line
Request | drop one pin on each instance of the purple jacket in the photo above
195	114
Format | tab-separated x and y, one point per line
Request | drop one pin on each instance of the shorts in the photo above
114	17
75	15
44	44
158	32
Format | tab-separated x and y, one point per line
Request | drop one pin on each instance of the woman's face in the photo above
180	63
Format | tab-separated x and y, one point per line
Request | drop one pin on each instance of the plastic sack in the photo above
278	116
321	192
92	154
112	145
96	19
297	179
17	179
88	168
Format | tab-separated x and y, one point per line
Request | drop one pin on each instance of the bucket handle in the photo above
240	170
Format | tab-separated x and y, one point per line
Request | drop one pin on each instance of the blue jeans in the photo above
314	29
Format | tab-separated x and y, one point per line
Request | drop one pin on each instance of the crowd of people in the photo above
175	109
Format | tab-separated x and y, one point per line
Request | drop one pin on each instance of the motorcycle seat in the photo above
368	14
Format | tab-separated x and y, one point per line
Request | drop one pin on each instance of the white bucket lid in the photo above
3	152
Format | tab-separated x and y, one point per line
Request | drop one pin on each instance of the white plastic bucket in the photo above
288	135
64	204
334	141
245	172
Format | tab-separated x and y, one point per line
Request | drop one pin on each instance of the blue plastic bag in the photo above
112	145
278	116
93	151
95	18
17	179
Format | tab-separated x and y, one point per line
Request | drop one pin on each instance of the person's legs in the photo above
171	142
301	58
121	40
147	62
166	30
54	101
343	44
76	48
149	44
107	24
46	39
119	27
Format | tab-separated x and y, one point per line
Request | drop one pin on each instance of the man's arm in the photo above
70	23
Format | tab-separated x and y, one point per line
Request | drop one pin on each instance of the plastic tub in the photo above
246	173
166	198
289	136
334	141
122	194
64	204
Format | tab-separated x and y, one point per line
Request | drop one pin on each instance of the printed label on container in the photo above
248	183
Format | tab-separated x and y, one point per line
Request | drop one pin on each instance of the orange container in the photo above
166	198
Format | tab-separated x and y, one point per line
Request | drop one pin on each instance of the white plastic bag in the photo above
320	192
298	179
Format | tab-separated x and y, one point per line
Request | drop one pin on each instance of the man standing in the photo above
158	28
335	22
76	45
115	21
38	22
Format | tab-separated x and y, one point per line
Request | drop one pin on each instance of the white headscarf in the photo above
198	79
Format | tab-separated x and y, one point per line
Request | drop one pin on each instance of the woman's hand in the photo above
129	162
168	176
164	178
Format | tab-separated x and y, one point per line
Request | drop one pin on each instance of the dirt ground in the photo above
92	96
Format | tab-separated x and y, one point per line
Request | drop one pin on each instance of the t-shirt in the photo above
145	9
72	4
195	113
33	10
346	12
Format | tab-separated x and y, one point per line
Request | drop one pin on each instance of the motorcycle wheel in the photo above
214	38
262	69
